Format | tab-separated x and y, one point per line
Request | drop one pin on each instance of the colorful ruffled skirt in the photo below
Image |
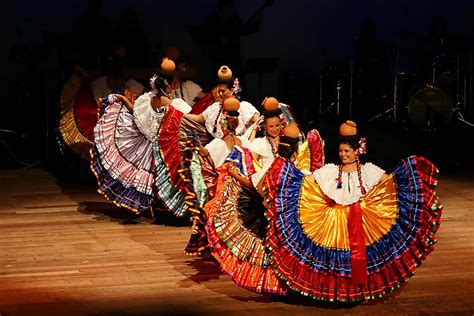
171	185
202	177
235	228
79	114
311	241
122	160
311	152
202	173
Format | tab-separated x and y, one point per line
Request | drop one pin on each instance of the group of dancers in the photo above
256	190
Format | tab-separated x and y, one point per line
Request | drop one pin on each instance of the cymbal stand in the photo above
336	102
392	111
433	67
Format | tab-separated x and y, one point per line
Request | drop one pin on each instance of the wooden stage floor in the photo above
64	250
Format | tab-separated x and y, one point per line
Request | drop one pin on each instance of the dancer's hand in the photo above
233	171
259	122
116	97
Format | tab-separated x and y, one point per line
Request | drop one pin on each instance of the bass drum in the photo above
430	108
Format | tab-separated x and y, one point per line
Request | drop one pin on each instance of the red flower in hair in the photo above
362	146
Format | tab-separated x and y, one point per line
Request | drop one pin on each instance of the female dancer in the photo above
236	227
122	156
213	115
80	111
204	170
172	188
355	234
265	148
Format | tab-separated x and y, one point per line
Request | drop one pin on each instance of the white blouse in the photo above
350	191
246	110
263	149
181	105
219	151
148	119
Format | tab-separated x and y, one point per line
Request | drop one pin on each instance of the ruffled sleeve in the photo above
146	118
326	178
261	147
260	173
326	175
181	105
372	175
218	151
210	115
247	111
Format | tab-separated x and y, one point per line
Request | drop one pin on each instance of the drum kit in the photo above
428	106
431	107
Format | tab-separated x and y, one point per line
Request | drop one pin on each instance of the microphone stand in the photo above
336	102
393	109
395	83
338	99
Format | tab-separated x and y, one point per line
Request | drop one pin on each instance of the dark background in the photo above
315	45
